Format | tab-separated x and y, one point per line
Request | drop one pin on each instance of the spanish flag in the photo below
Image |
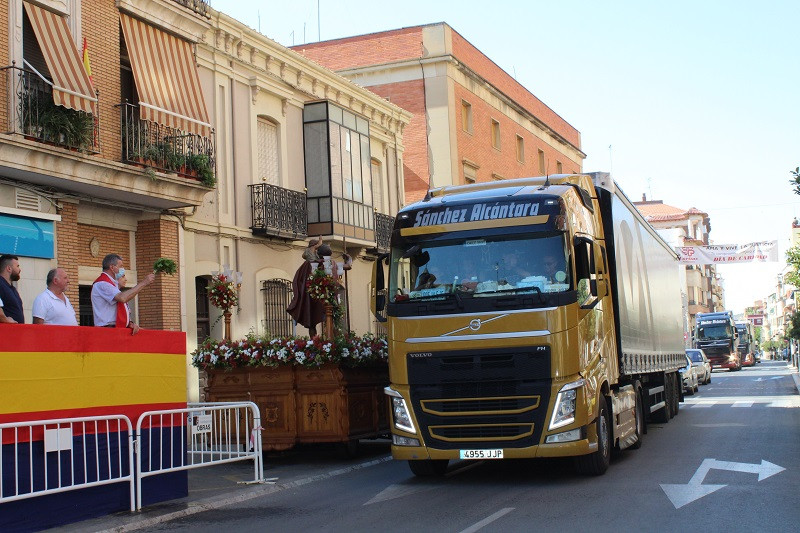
86	63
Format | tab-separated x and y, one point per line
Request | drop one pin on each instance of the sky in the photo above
691	102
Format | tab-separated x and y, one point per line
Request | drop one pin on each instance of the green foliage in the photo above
201	164
43	119
793	260
793	329
167	266
795	181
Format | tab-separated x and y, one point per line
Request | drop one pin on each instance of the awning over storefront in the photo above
166	78
71	85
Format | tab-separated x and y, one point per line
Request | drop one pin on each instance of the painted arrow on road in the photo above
767	379
681	495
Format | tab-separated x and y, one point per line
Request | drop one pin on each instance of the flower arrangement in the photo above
222	292
347	349
321	286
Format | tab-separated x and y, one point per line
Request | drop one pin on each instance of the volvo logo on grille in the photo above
475	324
419	355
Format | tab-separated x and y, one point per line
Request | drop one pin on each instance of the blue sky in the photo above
697	99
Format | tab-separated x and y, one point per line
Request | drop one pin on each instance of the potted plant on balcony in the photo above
200	164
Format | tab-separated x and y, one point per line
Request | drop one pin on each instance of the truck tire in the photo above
428	467
596	463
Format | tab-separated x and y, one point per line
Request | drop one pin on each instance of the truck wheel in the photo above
428	467
597	463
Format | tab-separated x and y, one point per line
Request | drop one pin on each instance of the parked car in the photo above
748	359
701	364
689	374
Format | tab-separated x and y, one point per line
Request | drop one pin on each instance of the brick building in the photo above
472	120
196	139
74	184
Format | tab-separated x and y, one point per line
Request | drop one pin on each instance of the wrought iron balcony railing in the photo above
278	212
166	149
383	231
33	113
198	6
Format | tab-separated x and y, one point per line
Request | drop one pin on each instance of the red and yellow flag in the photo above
86	64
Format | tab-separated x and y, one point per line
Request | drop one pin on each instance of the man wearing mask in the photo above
108	302
12	303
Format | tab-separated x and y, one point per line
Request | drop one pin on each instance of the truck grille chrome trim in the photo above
484	336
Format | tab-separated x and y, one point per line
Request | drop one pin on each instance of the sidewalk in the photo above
218	486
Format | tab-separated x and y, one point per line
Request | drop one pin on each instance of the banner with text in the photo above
754	252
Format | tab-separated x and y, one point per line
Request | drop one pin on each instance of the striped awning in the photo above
72	87
166	78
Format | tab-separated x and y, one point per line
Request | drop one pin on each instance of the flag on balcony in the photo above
86	64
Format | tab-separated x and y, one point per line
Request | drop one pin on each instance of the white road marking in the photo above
702	405
742	404
488	520
681	495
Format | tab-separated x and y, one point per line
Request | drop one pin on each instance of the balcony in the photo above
383	231
33	114
200	7
278	212
158	147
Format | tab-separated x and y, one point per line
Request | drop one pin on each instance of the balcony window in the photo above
167	127
52	98
268	167
338	172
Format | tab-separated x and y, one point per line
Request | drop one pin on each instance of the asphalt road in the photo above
730	461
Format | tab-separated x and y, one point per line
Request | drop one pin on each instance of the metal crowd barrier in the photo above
60	455
202	434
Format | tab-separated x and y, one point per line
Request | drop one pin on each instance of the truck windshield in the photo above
713	332
479	267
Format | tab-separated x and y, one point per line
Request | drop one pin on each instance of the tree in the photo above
796	180
793	260
793	331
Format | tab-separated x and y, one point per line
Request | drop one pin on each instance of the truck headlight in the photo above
400	414
566	402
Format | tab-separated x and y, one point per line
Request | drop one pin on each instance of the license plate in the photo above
480	454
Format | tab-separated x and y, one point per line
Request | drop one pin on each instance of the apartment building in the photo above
472	121
704	290
195	138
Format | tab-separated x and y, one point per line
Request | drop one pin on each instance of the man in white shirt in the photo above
108	302
52	306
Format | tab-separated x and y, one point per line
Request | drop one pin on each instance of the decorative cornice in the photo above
170	16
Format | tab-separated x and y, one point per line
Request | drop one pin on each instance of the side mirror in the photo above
378	300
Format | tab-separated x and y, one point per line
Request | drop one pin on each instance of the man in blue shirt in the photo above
12	303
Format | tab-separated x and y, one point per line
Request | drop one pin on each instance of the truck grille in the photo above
470	398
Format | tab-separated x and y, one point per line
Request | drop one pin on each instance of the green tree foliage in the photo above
793	260
793	331
795	181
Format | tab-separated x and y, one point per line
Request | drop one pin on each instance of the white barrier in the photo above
212	433
84	452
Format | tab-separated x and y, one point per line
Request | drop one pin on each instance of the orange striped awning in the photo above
72	87
166	78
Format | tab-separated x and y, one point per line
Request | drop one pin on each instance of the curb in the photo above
216	503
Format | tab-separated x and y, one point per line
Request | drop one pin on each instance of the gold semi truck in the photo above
534	317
